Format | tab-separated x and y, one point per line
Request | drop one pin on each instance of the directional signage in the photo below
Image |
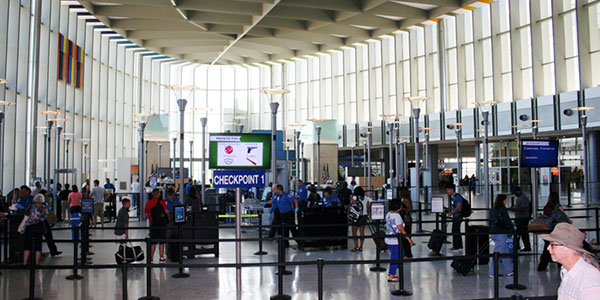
153	182
237	151
238	178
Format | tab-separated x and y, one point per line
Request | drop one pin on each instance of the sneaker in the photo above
510	274
57	253
163	260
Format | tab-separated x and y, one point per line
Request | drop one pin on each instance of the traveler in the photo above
313	198
48	226
158	214
121	231
556	213
405	213
265	194
194	200
301	194
135	192
63	197
274	214
188	186
345	195
286	205
172	200
85	188
37	188
353	183
580	271
394	225
74	200
99	194
456	217
34	229
329	199
109	186
363	219
500	227
522	217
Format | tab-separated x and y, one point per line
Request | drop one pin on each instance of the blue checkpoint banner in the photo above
238	178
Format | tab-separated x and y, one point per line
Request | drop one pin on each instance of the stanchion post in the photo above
260	236
401	291
281	254
496	276
281	269
124	279
5	237
420	223
75	276
32	273
597	227
180	274
377	267
148	275
320	277
569	194
515	285
437	221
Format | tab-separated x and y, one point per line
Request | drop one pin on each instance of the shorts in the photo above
98	210
158	234
362	221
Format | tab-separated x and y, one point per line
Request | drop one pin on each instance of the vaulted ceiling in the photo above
249	31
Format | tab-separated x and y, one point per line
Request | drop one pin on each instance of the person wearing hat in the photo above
522	216
580	271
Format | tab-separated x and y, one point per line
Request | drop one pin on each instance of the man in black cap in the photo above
522	216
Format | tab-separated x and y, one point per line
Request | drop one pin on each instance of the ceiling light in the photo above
141	115
58	119
583	108
275	91
49	112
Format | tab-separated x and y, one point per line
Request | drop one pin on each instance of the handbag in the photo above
129	254
23	225
52	218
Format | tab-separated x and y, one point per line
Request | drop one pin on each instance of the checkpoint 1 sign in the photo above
238	178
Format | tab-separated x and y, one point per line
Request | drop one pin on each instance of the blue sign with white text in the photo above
238	178
539	153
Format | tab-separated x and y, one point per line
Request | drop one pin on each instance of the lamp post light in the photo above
174	151
58	132
274	106
365	160
586	168
416	113
518	127
391	157
318	168
203	173
369	143
48	150
457	131
141	169
159	155
146	142
181	103
485	113
67	141
302	161
297	154
85	160
191	158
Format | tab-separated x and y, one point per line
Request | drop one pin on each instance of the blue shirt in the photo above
25	204
172	204
187	188
455	201
329	201
110	186
302	193
284	202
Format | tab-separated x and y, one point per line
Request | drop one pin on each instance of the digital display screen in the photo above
539	153
239	151
179	213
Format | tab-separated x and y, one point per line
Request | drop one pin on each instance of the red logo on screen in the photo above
229	149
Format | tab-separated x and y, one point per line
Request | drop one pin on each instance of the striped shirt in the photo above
581	282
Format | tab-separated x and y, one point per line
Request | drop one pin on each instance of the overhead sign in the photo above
238	178
539	153
437	205
153	182
239	151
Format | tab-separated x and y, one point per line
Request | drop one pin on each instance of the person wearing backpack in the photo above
500	227
457	217
360	206
158	214
522	217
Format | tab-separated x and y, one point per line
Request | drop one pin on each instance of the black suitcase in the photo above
478	244
463	265
436	240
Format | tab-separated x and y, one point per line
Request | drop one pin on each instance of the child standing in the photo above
394	225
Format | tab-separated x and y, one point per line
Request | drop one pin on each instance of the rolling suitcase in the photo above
436	240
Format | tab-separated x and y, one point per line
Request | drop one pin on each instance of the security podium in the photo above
322	216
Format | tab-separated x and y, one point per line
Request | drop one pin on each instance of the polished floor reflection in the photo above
427	280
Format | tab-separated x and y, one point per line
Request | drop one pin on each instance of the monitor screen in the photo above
239	151
179	213
539	153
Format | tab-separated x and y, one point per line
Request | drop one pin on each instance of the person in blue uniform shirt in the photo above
286	205
172	200
329	199
25	200
188	186
301	194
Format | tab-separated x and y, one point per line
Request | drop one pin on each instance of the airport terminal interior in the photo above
298	149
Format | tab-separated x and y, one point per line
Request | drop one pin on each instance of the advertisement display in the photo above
239	151
539	153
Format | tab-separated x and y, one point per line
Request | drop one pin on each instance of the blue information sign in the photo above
238	178
87	205
152	182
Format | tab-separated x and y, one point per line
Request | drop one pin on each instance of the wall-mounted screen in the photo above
539	153
239	151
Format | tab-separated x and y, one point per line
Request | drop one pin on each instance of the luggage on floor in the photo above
478	244
436	240
379	239
463	265
131	254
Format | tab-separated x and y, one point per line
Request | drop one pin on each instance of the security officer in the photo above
301	194
285	205
329	199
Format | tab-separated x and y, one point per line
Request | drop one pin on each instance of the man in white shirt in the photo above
37	188
135	190
580	273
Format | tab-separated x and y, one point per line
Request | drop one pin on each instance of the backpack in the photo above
355	211
465	209
159	217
